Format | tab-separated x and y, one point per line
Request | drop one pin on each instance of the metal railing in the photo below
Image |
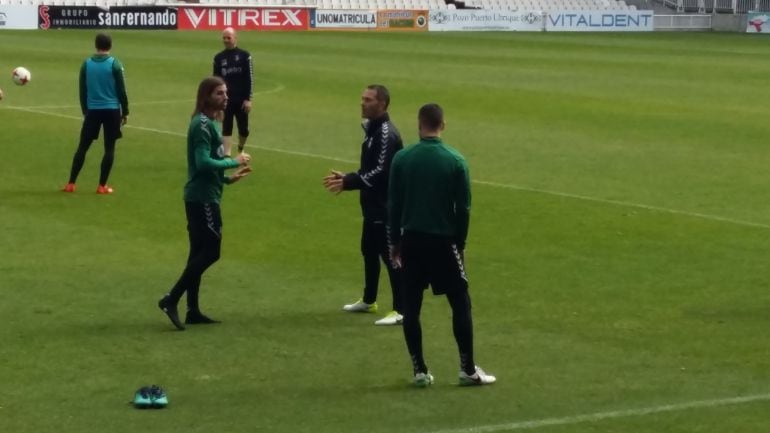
718	6
682	22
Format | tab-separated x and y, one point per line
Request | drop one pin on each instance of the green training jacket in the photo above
429	192
206	163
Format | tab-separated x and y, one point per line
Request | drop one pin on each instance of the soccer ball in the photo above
21	76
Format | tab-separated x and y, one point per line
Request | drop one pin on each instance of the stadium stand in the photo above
680	6
549	4
368	4
717	6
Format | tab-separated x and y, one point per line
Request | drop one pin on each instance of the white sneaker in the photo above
477	378
392	318
361	307
422	380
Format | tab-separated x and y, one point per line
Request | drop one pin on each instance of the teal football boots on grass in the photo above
150	397
158	397
142	398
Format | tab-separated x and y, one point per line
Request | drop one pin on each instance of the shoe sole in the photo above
470	382
359	311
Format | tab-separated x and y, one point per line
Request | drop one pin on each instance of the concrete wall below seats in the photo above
729	23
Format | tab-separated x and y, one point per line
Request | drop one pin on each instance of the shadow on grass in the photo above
327	322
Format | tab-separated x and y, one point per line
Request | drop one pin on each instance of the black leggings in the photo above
435	261
204	225
94	120
462	325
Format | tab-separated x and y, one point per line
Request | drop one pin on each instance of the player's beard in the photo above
219	111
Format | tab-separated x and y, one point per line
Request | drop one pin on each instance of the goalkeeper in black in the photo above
235	66
428	215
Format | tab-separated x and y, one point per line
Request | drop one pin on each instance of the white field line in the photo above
280	87
480	182
600	416
178	134
57	107
628	204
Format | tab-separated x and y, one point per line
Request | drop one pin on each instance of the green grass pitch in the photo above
618	248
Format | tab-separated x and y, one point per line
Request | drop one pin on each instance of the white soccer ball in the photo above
21	76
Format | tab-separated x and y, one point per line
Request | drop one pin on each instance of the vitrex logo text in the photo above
258	18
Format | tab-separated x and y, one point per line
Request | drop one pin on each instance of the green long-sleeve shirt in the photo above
102	84
205	161
429	192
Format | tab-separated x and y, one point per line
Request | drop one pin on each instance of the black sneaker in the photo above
198	318
165	305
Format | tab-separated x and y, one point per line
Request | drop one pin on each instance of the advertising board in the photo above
138	17
398	20
257	18
18	17
758	22
485	20
69	17
337	19
599	21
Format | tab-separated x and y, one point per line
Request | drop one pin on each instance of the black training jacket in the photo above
381	143
236	68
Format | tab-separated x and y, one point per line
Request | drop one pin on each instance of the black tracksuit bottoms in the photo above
374	247
433	260
204	226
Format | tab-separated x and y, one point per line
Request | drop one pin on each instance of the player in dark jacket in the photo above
381	142
234	65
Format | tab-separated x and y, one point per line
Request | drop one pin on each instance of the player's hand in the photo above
124	119
395	256
243	158
240	173
246	106
334	175
334	182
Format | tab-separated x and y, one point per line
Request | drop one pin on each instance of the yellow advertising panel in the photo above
390	20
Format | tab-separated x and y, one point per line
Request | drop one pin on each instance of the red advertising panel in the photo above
281	19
